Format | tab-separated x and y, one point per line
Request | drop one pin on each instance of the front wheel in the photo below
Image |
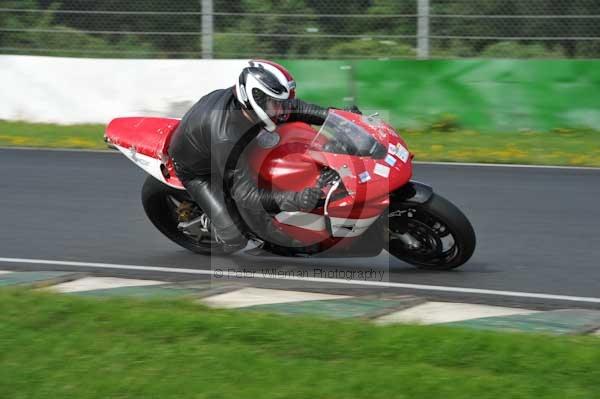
434	235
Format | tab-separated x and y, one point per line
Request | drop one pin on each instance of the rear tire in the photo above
156	201
443	234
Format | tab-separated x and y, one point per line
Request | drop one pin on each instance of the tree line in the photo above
320	29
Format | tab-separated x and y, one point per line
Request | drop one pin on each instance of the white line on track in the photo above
473	164
233	274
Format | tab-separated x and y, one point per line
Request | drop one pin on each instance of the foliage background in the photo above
301	28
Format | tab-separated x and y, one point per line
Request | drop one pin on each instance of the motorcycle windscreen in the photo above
339	135
365	154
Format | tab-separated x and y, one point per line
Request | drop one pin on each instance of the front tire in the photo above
159	201
434	235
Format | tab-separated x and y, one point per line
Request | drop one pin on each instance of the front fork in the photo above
402	200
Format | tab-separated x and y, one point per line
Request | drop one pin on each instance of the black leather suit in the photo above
206	149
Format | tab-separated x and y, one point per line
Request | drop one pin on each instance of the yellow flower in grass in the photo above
460	154
79	142
21	140
579	160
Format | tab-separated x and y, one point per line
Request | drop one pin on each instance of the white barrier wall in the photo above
73	90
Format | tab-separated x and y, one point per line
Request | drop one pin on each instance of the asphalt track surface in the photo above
537	228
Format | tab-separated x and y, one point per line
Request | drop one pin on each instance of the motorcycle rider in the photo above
212	135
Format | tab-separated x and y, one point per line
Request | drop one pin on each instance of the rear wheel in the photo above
169	210
435	235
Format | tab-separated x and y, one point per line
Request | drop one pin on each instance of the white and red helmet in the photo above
262	81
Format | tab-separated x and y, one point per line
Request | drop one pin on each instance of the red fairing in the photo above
305	236
288	166
148	136
293	165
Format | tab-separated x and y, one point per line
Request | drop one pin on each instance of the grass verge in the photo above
54	346
558	147
46	135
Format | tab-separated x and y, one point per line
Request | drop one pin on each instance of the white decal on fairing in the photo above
149	164
392	149
308	221
402	153
390	160
381	170
364	177
341	227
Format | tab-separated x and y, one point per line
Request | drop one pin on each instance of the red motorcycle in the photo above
369	202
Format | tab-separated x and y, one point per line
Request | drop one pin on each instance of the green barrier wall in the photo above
492	95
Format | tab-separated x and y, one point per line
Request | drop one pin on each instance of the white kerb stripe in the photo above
260	296
222	273
101	283
446	312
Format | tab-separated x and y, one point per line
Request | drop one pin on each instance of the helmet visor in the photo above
273	107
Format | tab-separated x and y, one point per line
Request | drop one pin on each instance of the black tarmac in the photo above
538	229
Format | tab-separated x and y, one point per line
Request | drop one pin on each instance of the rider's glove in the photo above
327	176
290	201
309	197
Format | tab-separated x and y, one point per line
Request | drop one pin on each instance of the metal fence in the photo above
337	29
